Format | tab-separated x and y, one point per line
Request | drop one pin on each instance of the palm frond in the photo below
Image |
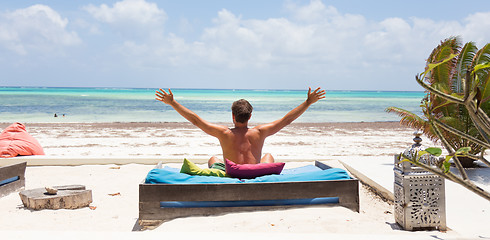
483	56
442	74
443	49
412	120
465	59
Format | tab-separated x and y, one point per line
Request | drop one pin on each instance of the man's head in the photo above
241	110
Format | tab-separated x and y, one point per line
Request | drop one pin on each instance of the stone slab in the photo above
68	197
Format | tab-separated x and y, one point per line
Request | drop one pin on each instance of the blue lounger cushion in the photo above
303	169
171	177
156	176
328	174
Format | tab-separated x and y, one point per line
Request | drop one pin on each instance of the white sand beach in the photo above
115	187
299	141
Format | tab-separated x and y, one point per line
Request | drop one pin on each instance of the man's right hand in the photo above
314	96
167	98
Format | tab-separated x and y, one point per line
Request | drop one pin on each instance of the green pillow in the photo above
192	169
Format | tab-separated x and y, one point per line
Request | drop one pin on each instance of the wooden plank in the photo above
149	212
151	194
243	191
350	196
321	165
11	171
11	187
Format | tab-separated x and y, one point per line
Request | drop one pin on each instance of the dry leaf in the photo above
115	168
92	207
114	194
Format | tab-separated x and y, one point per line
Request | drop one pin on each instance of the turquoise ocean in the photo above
40	104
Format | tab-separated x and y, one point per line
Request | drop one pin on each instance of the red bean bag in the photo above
14	140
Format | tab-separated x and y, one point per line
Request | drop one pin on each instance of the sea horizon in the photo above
180	88
119	104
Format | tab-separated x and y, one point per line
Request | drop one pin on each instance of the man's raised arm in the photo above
209	128
274	127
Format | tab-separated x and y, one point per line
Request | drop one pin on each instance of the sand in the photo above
300	141
115	187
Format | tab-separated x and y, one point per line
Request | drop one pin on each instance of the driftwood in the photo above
66	197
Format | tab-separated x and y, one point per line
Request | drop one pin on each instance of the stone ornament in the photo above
419	195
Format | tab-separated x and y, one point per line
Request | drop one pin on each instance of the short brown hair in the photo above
242	110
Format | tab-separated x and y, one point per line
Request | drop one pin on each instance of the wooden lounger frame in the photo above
11	171
150	196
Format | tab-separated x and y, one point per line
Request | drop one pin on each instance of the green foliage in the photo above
455	109
444	165
447	71
434	151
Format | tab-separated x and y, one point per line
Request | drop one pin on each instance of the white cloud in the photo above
314	41
90	27
321	36
315	37
388	41
314	12
37	27
477	27
185	26
131	18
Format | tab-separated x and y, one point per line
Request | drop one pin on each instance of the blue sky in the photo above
291	44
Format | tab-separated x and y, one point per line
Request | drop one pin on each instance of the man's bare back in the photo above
241	144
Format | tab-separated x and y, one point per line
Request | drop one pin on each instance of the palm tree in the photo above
451	63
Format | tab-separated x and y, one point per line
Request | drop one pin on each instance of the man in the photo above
241	144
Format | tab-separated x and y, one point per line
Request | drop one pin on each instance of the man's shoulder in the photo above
255	131
261	126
